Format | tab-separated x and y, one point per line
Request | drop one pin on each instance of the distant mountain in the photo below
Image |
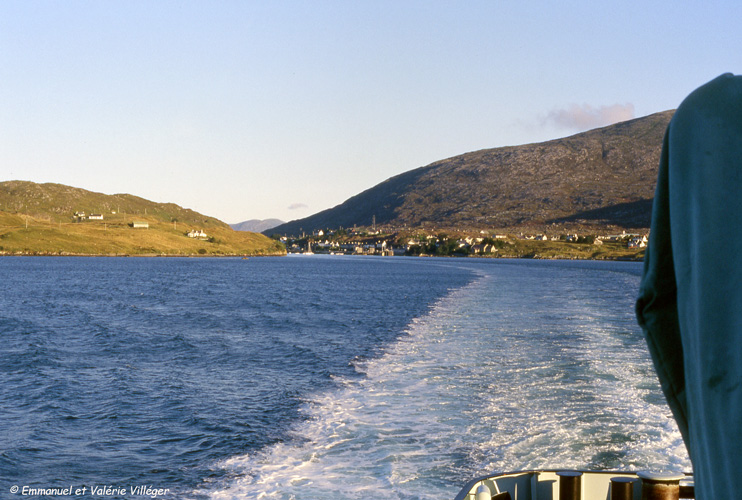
601	177
257	225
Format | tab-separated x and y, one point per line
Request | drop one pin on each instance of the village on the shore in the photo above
115	234
482	243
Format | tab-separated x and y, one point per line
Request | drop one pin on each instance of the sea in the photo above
318	377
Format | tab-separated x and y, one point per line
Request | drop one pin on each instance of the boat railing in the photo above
579	485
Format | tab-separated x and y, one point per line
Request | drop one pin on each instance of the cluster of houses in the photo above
633	240
198	234
638	241
385	247
323	242
382	247
80	216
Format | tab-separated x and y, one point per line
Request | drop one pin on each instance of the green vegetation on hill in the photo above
39	219
58	203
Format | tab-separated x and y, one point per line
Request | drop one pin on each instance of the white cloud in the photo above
298	206
586	117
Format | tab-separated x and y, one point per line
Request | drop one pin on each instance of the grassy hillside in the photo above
39	219
58	203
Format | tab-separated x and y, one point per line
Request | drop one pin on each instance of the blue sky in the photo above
247	109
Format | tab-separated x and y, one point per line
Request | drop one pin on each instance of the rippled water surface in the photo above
320	377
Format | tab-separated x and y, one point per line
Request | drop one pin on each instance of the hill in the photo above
257	225
596	179
56	219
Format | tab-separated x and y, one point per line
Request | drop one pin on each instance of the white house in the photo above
638	242
482	248
194	233
95	217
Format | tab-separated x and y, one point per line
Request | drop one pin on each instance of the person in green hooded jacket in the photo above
690	299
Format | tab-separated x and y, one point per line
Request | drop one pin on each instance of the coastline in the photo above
150	255
617	258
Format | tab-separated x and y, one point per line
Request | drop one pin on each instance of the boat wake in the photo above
478	384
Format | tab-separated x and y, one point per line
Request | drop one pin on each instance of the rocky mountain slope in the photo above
603	177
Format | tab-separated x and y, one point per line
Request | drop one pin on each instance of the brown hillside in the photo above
601	177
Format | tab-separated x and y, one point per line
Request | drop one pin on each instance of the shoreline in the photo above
126	255
607	257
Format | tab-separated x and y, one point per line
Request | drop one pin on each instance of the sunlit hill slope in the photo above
54	219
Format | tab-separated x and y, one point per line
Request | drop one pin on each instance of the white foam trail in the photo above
465	393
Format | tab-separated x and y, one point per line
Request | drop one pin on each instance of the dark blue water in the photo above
126	371
318	377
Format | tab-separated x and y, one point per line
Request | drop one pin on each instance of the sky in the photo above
280	109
